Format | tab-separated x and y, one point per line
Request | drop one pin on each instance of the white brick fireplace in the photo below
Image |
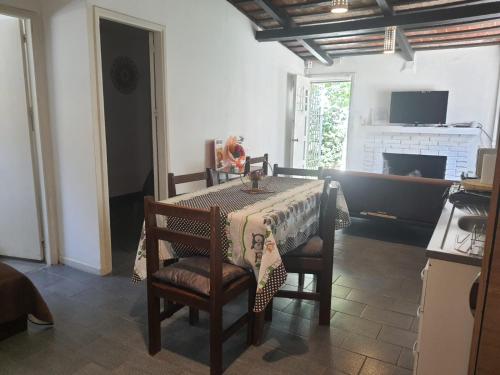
459	145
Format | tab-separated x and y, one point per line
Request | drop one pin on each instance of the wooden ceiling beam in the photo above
430	18
401	40
287	22
385	7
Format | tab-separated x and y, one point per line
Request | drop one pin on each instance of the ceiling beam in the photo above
401	39
428	18
287	22
276	14
385	7
404	45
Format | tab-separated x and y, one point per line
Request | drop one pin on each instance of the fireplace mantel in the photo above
421	129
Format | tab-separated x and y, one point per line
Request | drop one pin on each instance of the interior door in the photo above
20	234
299	137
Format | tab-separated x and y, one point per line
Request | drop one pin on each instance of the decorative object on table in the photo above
124	74
255	177
234	155
258	160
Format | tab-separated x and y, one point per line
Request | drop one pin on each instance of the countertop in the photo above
436	249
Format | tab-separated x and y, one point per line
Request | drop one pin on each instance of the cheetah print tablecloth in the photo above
257	228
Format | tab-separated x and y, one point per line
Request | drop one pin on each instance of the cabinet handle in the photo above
473	295
419	311
422	274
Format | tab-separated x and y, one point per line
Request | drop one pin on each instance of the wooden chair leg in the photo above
318	284
268	316
301	281
216	340
194	316
154	324
251	315
258	331
325	300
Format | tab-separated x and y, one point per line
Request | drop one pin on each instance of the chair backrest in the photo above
155	233
327	217
261	159
216	177
282	171
174	180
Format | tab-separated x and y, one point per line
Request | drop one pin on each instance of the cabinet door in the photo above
446	322
20	230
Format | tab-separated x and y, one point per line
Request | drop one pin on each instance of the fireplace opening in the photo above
415	165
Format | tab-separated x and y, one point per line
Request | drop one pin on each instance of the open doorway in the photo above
21	224
327	126
318	120
126	79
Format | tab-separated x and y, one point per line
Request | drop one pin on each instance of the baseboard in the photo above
80	266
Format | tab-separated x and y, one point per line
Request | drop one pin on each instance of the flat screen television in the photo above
419	107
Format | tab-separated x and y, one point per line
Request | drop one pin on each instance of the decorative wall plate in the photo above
124	74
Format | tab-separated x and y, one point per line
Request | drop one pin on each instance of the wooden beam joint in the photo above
280	16
401	40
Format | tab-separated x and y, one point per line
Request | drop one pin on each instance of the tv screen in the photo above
419	107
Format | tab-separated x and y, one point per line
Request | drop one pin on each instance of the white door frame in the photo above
41	142
339	77
159	117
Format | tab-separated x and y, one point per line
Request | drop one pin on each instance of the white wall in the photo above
128	116
220	81
470	75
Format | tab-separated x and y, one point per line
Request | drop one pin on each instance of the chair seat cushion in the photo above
194	273
312	249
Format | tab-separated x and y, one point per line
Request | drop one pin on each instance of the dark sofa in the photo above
415	200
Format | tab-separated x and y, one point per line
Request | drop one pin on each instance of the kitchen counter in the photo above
446	251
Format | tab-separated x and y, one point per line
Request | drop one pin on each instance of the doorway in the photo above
329	106
130	154
21	229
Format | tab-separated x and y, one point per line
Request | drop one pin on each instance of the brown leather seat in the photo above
311	248
194	274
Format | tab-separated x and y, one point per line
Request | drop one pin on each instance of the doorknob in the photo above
295	139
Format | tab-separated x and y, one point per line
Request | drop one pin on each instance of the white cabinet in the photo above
446	322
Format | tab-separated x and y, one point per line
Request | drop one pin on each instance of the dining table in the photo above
257	229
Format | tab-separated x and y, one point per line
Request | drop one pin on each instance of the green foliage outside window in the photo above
334	115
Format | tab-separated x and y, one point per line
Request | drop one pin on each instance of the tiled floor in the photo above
101	323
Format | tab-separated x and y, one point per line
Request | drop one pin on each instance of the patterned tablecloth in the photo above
257	228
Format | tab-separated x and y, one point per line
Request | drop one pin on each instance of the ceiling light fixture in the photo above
340	6
390	39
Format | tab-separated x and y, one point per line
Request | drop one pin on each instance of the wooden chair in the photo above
174	180
216	177
297	172
205	283
261	159
316	257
